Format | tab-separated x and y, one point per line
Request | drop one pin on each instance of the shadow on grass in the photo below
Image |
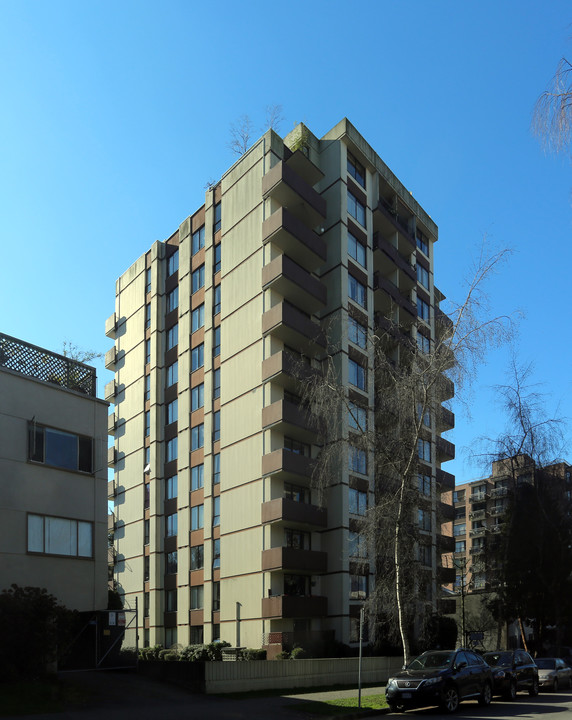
342	706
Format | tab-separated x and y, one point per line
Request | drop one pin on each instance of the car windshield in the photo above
545	663
495	659
432	660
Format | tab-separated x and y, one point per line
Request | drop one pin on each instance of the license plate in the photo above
406	696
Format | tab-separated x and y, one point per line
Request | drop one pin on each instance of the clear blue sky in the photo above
116	114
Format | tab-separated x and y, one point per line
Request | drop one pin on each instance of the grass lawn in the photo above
341	706
36	696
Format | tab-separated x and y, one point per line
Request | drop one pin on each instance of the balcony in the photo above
445	419
296	514
499	492
294	606
294	284
446	575
294	328
285	186
286	464
109	391
445	388
445	543
443	324
391	331
111	457
477	532
293	560
477	550
478	496
445	480
387	219
35	362
478	515
287	232
111	424
447	606
111	326
111	358
292	420
496	510
111	489
286	370
389	259
445	511
391	294
303	166
445	450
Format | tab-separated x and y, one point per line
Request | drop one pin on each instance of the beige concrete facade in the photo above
53	498
257	562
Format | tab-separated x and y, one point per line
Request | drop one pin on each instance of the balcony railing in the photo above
35	362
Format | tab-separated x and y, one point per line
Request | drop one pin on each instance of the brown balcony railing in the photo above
295	513
294	606
292	559
35	362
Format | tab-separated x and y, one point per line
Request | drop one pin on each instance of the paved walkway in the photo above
126	696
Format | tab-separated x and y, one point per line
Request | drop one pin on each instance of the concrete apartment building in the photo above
53	497
480	508
217	529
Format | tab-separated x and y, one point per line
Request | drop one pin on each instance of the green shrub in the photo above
151	653
298	653
253	654
283	655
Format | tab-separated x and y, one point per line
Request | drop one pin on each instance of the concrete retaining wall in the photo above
227	677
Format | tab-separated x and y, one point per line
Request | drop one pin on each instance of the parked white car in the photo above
553	673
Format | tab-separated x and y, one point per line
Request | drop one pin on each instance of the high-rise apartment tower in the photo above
217	530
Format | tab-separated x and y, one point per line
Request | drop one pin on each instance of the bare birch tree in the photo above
241	133
552	117
274	117
410	382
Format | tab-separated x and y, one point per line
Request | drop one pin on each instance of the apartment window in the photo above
460	512
170	601
173	300
423	276
146	532
197	437
173	263
424	484
172	337
147	280
357	333
172	563
198	279
296	585
357	545
424	416
172	412
60	536
356	170
197	397
171	450
216	383
216	469
60	449
196	597
171	487
356	291
217	258
423	309
198	240
460	546
196	635
216	302
147	387
357	460
146	603
146	568
147	455
147	352
216	553
422	242
296	493
217	217
423	343
424	450
172	374
356	209
460	529
357	374
147	423
296	446
171	637
424	553
357	501
355	630
147	315
216	601
197	357
358	587
197	557
424	519
216	342
171	525
197	521
216	426
197	477
458	496
356	250
357	417
198	317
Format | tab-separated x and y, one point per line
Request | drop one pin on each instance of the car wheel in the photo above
450	699
487	694
394	707
511	692
555	685
534	689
